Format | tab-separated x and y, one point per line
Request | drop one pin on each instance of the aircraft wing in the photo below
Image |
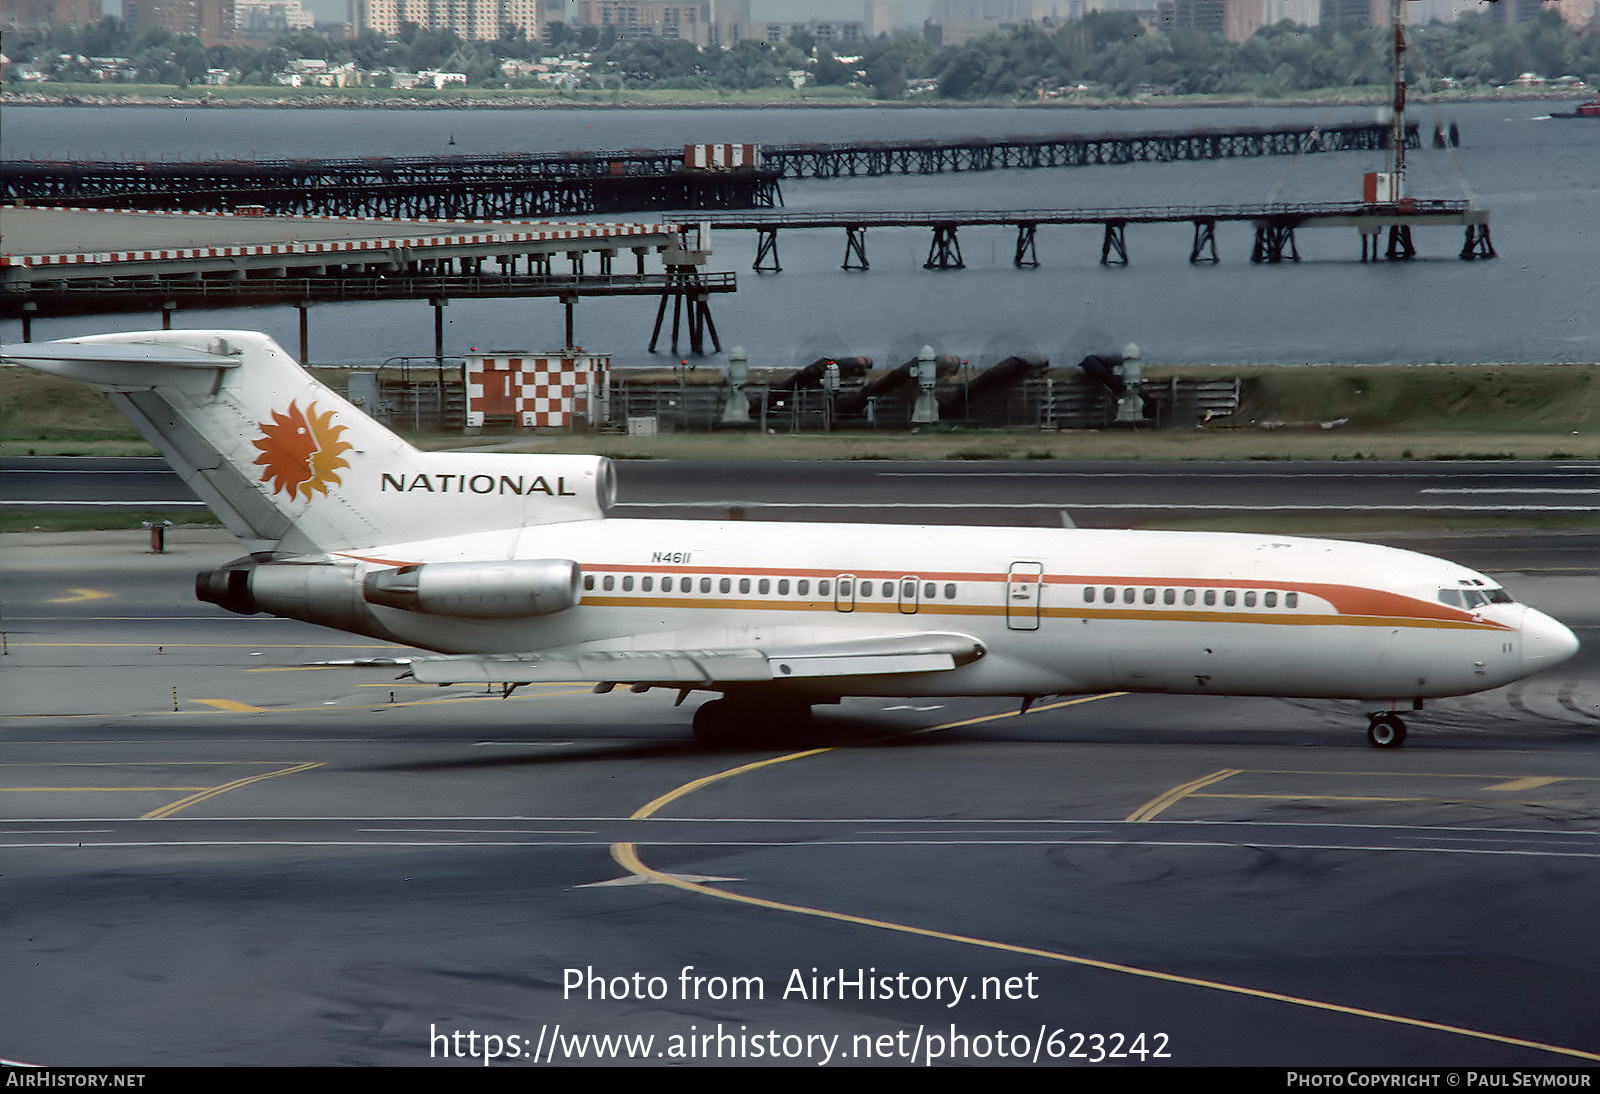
707	668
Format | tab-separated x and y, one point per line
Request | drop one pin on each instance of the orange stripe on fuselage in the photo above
944	608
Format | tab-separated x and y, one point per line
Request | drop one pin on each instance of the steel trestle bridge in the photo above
517	185
1274	223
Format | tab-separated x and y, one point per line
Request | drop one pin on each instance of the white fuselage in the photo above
1056	611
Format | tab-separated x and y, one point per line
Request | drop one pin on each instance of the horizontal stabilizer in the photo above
708	668
124	353
118	365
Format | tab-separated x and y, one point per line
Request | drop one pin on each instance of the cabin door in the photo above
1024	584
908	595
844	593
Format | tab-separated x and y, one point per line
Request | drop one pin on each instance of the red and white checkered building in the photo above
536	390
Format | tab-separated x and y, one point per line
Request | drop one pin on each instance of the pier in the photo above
1274	225
67	262
513	185
928	157
428	188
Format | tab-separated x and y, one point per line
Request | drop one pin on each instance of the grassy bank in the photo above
1287	413
49	520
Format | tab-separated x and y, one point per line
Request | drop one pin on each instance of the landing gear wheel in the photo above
1386	731
717	723
729	723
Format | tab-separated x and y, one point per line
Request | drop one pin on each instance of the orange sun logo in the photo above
300	452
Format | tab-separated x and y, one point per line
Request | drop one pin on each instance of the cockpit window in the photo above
1474	598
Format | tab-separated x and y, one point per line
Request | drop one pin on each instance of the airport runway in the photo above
1096	492
230	840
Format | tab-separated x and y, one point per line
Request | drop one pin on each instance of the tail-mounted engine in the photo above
335	596
478	590
315	592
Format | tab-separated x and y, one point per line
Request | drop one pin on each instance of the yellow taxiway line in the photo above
626	855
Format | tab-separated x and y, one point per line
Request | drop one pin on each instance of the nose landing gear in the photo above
1386	730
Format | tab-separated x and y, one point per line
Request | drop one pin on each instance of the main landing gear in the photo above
1386	729
727	722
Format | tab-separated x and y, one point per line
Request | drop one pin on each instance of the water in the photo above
1535	303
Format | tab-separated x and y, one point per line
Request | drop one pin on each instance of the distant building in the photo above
272	17
1519	11
211	21
1206	16
957	22
832	32
701	22
474	20
1577	13
43	15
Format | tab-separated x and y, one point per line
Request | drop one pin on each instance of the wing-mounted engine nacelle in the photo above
479	590
315	592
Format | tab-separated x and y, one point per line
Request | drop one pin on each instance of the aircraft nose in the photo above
1545	642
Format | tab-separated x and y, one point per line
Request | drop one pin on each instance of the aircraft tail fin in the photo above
290	466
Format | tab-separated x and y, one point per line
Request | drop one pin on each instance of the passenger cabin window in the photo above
744	584
949	592
1127	595
1188	597
1088	595
1291	600
1270	600
783	586
1250	599
705	584
1211	598
1170	596
588	582
822	588
609	583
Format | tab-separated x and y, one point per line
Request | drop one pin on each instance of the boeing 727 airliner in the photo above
508	568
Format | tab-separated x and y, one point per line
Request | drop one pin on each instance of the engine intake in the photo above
478	590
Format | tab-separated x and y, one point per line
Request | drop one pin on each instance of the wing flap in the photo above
694	667
861	664
707	668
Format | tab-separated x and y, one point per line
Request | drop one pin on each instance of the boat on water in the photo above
1590	109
